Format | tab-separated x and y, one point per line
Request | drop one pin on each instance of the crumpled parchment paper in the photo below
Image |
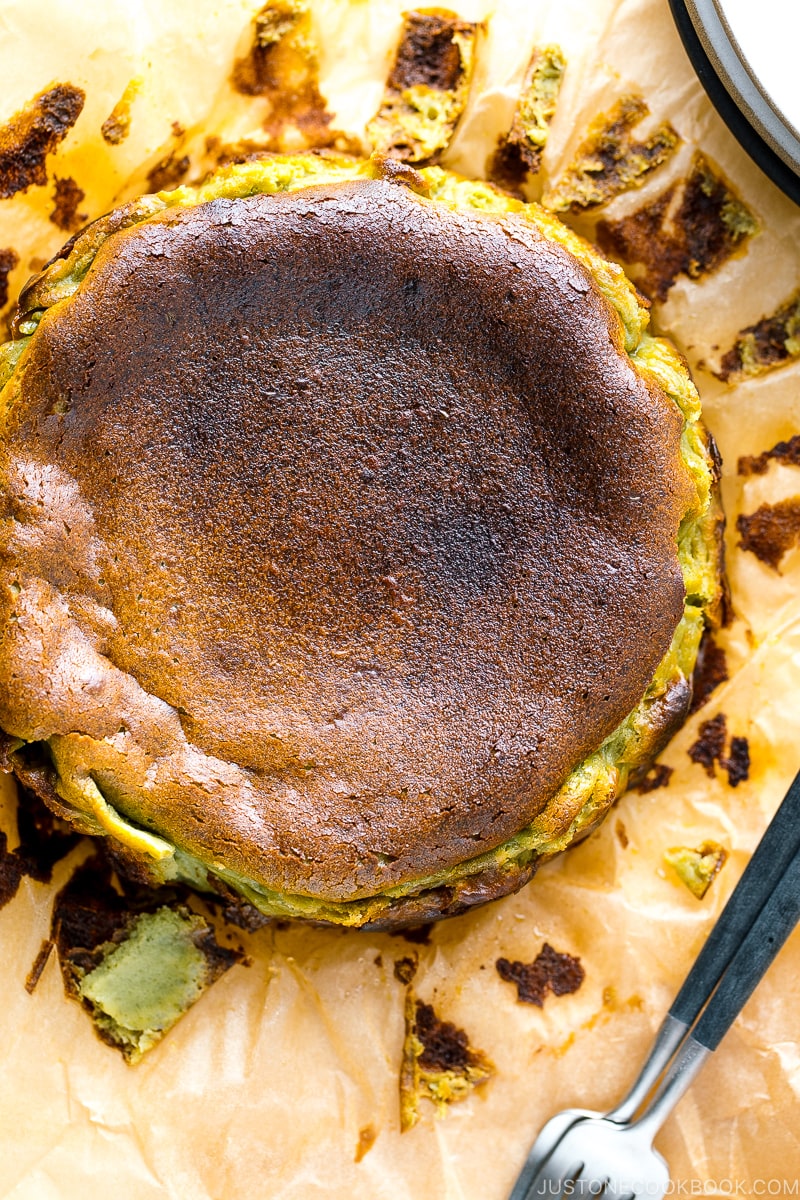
267	1086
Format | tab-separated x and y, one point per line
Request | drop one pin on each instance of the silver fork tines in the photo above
596	1158
580	1155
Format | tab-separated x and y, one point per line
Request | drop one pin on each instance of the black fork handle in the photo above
761	876
768	933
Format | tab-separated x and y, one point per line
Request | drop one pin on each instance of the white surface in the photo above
768	33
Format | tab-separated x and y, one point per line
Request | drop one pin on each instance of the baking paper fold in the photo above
268	1085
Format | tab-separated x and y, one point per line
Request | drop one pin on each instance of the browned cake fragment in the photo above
282	67
697	869
427	89
99	925
519	152
550	971
438	1062
782	452
771	342
28	138
66	199
709	750
771	531
609	160
117	124
8	260
711	670
690	229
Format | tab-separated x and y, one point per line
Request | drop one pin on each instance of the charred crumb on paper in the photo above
610	160
168	173
366	1140
67	196
438	1062
550	971
117	124
711	669
690	229
697	868
406	968
8	260
771	342
787	453
39	964
519	152
709	751
427	88
445	1047
737	761
709	748
657	776
34	133
771	531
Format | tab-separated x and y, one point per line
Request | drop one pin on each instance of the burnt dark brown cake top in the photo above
343	529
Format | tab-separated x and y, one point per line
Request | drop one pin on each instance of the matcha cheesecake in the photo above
357	538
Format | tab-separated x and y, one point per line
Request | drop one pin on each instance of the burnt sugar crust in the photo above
342	527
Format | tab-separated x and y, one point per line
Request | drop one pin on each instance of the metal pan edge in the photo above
737	96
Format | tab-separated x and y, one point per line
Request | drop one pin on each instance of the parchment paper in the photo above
265	1087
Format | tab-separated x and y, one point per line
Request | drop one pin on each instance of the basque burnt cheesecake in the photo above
357	538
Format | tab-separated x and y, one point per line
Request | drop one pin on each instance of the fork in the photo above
767	867
610	1159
